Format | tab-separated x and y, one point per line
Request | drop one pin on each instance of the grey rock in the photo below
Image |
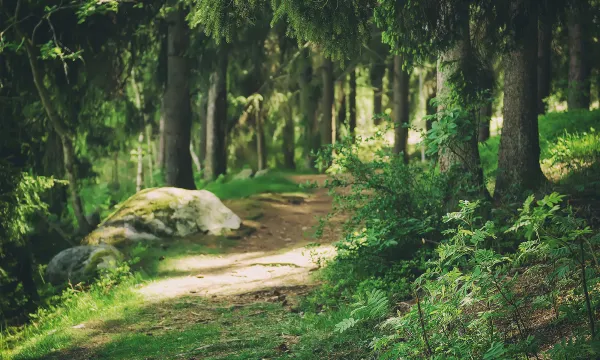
82	263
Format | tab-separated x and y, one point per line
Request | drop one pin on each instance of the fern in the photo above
374	306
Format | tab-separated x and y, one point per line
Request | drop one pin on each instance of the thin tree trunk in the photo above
140	164
485	116
160	155
327	104
519	153
150	154
579	69
260	141
341	111
216	119
64	134
544	63
178	121
195	158
400	111
289	137
377	74
202	142
115	175
352	104
308	106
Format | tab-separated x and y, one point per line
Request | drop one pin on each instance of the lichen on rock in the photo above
164	212
82	263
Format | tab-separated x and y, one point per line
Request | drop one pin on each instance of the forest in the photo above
299	179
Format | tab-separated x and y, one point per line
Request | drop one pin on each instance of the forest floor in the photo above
238	300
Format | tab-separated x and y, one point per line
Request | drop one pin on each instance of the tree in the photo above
544	67
177	107
352	103
579	68
400	112
309	95
327	102
216	118
519	153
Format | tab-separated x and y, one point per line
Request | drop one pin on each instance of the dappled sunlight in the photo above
237	273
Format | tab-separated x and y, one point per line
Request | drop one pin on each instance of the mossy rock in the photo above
166	212
82	263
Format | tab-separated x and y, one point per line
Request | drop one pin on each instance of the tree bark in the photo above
519	153
579	68
260	141
65	136
195	158
178	117
465	154
216	119
485	116
140	164
308	106
377	74
544	62
289	136
202	142
328	96
341	111
400	113
160	154
150	154
352	104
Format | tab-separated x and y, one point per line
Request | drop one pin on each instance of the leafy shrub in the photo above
474	302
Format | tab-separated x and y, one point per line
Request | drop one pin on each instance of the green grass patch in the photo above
237	189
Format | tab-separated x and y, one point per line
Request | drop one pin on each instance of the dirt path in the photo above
275	256
231	305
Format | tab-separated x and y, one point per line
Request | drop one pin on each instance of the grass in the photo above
238	189
566	138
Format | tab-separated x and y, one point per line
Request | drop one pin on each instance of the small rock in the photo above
288	239
161	258
193	291
304	228
80	326
200	276
262	172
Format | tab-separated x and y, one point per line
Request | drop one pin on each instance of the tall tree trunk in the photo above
485	116
519	153
260	141
195	158
579	68
400	113
352	104
115	175
544	68
216	119
289	138
464	154
160	154
328	96
377	74
341	111
202	142
178	117
150	154
65	136
308	106
140	164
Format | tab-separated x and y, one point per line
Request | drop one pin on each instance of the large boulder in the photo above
261	173
164	212
82	263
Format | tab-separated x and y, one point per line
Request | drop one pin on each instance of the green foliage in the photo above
470	299
236	189
338	27
370	306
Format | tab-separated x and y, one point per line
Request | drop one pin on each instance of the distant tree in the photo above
579	52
